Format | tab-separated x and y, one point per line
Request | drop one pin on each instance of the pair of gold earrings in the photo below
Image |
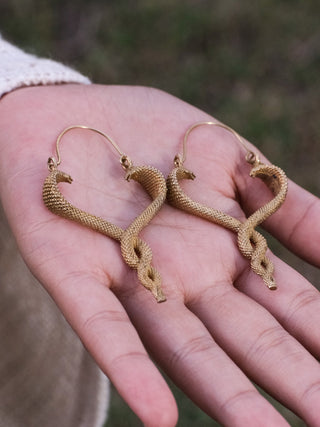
135	252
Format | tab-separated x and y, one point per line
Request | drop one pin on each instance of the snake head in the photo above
130	173
63	177
183	173
271	175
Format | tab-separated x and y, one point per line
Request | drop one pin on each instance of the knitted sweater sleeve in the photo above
19	69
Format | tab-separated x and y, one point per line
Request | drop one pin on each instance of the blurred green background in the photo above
253	65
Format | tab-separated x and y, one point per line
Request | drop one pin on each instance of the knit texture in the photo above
20	69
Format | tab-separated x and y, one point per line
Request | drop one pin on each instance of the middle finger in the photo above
181	343
261	347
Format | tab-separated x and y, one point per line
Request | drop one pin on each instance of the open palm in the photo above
220	326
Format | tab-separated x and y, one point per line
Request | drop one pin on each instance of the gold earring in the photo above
136	253
251	243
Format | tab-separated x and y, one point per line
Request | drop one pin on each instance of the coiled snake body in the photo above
136	253
251	243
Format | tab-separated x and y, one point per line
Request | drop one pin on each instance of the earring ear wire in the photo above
179	160
54	162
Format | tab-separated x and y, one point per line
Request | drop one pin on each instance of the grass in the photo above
253	65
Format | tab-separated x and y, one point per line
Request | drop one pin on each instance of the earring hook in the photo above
54	162
179	160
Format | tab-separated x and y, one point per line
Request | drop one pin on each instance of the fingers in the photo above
180	342
295	304
295	224
105	329
262	348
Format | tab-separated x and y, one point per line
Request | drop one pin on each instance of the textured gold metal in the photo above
136	253
251	243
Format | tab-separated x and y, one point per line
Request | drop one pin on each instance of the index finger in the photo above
104	327
295	224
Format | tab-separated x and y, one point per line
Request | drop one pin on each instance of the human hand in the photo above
220	325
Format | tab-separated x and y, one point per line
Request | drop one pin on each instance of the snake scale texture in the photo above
136	253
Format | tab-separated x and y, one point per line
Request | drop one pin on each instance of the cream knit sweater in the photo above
47	378
18	69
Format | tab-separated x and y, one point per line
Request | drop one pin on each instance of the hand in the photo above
220	325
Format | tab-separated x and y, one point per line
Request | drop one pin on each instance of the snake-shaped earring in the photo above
251	243
136	253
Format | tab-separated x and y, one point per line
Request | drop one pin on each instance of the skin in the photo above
220	325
